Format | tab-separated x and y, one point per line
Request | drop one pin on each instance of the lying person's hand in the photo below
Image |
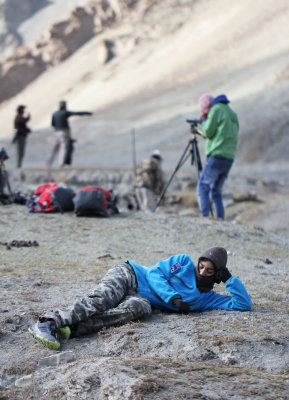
182	306
222	275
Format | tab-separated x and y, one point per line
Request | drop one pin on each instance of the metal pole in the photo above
133	150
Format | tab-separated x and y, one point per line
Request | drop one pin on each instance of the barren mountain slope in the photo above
23	22
55	11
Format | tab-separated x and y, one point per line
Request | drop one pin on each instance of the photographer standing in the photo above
220	127
21	133
63	143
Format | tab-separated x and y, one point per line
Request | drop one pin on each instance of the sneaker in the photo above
47	333
65	332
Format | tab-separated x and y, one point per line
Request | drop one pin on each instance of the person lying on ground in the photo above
128	292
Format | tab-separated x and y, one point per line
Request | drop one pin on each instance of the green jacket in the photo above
221	131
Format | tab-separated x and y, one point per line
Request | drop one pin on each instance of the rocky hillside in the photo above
160	56
22	22
56	44
142	71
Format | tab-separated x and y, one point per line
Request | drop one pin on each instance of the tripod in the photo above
190	150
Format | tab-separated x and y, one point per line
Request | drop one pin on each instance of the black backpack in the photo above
94	201
63	199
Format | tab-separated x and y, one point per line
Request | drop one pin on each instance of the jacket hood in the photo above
217	255
222	98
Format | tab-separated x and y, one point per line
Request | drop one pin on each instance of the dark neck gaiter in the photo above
204	283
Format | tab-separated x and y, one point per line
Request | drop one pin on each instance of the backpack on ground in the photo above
51	198
95	201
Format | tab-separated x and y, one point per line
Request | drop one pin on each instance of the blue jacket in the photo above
175	277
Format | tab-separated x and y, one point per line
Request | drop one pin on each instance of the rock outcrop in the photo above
62	40
64	37
12	13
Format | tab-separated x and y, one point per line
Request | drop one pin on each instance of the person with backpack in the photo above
220	127
148	181
21	133
128	292
63	143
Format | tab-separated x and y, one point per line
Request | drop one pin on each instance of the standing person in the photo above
148	181
128	291
220	127
21	133
62	137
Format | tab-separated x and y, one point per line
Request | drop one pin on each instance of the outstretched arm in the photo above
238	301
81	113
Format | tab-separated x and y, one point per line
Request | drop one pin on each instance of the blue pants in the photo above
210	185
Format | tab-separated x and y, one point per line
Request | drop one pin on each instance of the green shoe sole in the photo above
65	332
47	343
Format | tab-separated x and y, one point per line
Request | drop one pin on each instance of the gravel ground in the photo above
209	355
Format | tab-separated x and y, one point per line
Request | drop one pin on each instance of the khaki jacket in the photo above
150	175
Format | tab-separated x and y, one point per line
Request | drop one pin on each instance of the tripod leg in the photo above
180	163
198	158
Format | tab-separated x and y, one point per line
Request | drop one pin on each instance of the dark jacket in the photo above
20	125
60	118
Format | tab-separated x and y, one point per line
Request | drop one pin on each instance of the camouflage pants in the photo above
114	301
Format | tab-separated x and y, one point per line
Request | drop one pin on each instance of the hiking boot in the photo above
47	333
65	332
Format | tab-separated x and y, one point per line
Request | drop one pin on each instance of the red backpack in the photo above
50	197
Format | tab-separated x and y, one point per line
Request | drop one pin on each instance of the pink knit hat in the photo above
205	102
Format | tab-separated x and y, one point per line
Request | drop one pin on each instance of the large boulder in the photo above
63	38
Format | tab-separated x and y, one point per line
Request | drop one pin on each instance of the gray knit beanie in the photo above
218	256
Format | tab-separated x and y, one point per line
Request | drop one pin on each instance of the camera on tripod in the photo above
3	155
191	150
194	123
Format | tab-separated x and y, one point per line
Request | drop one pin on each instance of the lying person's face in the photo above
206	268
